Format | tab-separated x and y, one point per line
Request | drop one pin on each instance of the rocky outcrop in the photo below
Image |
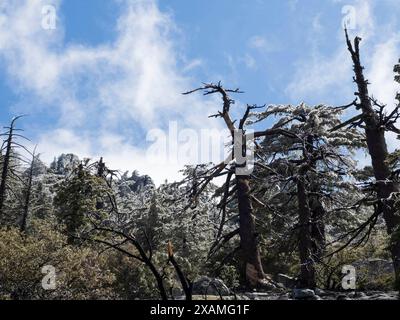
318	294
303	294
207	286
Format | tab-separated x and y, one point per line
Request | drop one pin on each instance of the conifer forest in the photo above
303	202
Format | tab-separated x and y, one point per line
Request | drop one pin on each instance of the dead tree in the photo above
237	188
376	123
7	168
5	165
28	193
186	284
118	242
114	238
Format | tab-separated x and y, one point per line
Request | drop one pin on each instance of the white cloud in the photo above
262	44
383	88
385	56
249	61
258	42
317	24
365	20
320	75
60	141
136	79
117	152
324	77
192	65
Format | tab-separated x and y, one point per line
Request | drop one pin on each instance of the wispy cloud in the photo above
327	76
262	44
103	99
98	91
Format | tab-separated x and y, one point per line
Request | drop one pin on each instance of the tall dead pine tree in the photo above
6	160
376	124
249	247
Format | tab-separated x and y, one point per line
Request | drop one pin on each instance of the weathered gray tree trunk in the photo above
378	151
249	247
248	235
5	168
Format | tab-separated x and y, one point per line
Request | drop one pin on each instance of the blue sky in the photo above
114	69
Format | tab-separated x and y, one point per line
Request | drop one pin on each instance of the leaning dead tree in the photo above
125	242
376	122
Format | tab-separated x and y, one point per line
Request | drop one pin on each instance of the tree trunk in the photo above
317	211
307	270
317	228
186	284
4	174
248	236
147	261
159	280
378	151
27	197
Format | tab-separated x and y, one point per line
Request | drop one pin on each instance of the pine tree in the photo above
307	161
376	124
7	169
77	199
